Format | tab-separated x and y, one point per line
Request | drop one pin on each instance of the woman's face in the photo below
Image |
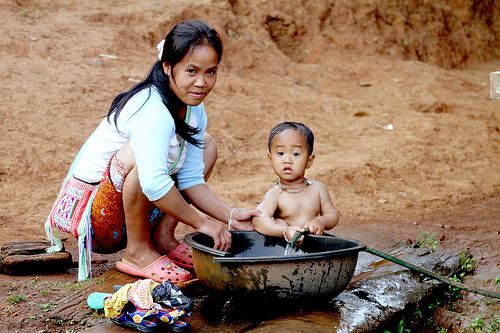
194	77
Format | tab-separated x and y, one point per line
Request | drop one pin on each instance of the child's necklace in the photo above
285	188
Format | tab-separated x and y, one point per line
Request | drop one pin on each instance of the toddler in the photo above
295	202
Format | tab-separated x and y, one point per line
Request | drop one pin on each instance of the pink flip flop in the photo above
182	256
160	270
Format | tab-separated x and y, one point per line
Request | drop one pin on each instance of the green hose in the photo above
432	274
297	235
406	264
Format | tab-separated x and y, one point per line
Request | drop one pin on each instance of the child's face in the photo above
289	156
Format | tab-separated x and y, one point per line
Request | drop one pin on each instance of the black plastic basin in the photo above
256	264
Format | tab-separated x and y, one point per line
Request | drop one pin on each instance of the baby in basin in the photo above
295	202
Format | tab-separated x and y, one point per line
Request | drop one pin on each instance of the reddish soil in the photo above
345	68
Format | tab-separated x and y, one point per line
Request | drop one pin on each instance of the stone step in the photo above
25	258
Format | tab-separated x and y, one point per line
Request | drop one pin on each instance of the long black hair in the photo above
181	40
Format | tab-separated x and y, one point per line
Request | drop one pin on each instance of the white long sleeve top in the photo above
148	125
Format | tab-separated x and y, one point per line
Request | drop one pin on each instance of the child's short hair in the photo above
306	131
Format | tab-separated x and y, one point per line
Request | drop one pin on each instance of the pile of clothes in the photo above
146	306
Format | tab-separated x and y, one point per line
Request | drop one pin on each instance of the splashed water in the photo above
288	248
228	309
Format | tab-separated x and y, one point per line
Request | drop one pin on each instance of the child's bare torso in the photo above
298	208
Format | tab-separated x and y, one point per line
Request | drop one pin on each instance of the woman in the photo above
145	159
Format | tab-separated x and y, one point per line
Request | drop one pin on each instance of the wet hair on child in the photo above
303	129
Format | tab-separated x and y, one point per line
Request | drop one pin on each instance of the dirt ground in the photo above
397	94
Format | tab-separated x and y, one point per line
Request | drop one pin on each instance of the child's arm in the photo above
328	217
265	222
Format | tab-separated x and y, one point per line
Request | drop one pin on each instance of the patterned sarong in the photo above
108	218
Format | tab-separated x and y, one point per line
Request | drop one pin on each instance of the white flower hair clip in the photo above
159	47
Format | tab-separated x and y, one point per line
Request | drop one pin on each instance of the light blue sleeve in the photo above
191	172
150	130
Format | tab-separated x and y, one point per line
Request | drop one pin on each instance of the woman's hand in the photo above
219	233
242	218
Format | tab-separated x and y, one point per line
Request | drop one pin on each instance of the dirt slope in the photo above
346	68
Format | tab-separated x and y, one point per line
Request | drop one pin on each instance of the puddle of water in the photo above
370	265
316	321
229	314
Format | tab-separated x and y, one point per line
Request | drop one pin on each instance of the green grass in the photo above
24	12
467	263
47	306
428	240
15	299
477	324
494	325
